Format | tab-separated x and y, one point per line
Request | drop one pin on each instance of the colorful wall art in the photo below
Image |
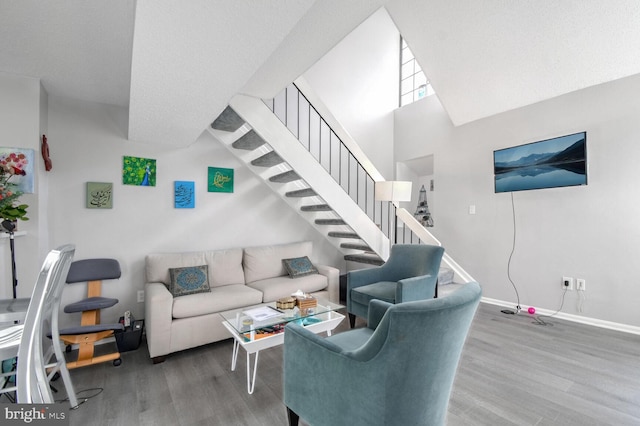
184	194
99	195
138	171
220	180
16	168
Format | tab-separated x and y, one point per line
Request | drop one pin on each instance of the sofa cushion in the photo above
218	300
299	267
266	262
274	288
189	280
225	266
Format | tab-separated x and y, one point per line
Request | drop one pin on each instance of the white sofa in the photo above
237	278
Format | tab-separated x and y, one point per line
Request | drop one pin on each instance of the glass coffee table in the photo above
262	326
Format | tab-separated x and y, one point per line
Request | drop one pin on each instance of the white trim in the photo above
625	328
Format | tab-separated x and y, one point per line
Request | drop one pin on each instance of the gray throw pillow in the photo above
299	267
189	280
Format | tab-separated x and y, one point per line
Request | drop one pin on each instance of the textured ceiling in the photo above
78	48
191	58
177	64
490	56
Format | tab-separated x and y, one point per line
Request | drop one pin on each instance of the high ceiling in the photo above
175	65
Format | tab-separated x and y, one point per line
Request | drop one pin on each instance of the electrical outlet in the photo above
567	283
140	296
581	284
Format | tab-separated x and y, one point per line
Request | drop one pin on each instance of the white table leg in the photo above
251	381
234	354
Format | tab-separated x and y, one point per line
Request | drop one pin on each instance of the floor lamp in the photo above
394	191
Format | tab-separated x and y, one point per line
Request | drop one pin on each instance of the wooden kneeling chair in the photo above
90	331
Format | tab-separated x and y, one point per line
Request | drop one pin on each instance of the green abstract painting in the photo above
220	180
138	171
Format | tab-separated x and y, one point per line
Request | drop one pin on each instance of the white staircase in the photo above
259	139
255	135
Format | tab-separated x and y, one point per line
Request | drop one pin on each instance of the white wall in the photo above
589	232
358	81
88	142
20	116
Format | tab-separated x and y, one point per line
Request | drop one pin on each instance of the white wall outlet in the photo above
567	283
581	284
140	296
472	209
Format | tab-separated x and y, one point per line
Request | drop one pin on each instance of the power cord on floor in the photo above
83	399
537	320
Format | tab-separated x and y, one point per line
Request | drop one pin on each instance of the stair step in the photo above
316	208
370	259
307	192
355	246
249	141
288	176
344	235
270	159
228	121
330	222
445	276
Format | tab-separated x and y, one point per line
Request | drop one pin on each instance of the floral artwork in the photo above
16	178
138	171
99	195
220	180
17	164
184	195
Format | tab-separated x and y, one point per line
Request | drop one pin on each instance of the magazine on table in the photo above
263	313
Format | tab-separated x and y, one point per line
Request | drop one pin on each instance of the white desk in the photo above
13	309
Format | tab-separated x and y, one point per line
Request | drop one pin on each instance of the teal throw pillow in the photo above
189	280
299	267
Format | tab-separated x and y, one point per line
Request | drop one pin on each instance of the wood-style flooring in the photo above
512	372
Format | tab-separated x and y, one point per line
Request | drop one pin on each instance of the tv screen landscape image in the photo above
550	163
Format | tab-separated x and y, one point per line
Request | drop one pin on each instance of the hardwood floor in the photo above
512	372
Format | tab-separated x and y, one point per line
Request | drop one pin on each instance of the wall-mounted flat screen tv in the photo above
550	163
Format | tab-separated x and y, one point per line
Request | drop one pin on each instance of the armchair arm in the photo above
298	337
377	309
361	277
416	288
333	278
314	372
158	308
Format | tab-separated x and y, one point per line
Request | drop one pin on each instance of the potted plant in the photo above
11	209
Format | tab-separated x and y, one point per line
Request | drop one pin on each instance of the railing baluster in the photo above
354	189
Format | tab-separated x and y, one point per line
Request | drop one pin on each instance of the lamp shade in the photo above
393	190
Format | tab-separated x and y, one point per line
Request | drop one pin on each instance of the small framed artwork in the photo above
17	165
99	195
184	194
138	171
220	180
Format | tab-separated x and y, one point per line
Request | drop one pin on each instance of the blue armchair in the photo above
410	273
399	370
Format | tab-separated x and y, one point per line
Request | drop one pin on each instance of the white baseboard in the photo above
625	328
